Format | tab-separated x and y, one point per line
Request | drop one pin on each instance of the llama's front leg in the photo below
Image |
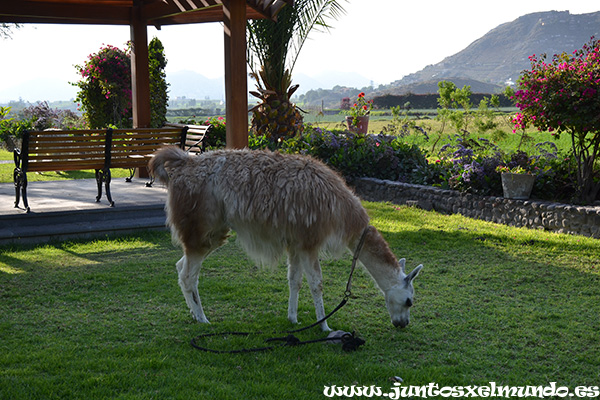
188	268
315	281
295	283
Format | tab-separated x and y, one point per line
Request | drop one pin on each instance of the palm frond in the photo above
273	47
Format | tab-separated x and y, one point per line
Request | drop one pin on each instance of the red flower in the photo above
361	94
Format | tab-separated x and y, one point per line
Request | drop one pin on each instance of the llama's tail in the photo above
164	160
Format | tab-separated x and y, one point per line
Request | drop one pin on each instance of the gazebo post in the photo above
236	81
140	73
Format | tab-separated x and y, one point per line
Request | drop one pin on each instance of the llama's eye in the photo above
408	302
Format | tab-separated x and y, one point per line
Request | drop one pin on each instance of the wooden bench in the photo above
100	150
133	148
62	151
195	142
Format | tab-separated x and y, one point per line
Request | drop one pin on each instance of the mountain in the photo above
39	89
196	86
193	85
329	79
498	58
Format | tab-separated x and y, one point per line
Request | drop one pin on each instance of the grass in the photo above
106	318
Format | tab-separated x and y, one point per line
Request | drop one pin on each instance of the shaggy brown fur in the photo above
277	204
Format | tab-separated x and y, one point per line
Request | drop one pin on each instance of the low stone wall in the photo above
561	218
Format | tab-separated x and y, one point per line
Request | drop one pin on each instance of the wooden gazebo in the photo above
138	14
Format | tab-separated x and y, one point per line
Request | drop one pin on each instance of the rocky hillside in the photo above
499	56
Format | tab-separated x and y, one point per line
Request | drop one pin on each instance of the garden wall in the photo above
561	218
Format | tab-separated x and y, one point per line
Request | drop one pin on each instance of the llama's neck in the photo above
379	260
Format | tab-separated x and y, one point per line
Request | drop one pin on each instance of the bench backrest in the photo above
195	139
105	148
64	150
132	148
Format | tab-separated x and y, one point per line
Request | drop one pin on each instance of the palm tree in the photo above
273	48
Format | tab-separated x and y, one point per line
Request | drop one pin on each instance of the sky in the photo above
381	40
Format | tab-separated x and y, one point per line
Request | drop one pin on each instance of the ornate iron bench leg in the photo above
103	176
99	180
107	178
20	180
149	184
131	174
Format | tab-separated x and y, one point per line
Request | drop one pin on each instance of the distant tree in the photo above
563	95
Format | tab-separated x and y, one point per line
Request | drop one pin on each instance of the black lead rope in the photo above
349	341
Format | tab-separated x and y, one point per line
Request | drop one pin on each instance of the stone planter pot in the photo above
517	186
361	127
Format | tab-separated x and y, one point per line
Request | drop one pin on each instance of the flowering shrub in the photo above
105	91
377	156
469	171
563	95
360	108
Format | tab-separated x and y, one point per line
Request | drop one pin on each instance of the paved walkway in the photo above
80	194
68	209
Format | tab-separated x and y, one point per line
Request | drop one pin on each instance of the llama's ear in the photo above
402	263
409	278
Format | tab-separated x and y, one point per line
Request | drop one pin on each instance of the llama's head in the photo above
399	298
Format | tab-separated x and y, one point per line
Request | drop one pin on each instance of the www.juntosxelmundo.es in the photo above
433	390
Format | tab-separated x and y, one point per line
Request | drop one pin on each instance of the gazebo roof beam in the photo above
118	12
75	13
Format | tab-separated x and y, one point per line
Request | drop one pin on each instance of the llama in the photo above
276	203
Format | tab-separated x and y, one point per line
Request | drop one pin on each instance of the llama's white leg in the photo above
315	281
188	268
295	283
301	261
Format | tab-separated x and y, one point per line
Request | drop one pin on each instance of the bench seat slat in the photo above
66	139
148	135
45	167
71	150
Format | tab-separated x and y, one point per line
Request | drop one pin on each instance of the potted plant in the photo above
517	182
358	118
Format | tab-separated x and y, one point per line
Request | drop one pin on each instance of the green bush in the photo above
11	127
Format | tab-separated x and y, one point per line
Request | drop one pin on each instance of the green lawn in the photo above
106	318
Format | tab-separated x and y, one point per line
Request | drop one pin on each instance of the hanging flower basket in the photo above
517	186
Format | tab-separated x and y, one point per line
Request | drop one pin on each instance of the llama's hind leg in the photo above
308	263
188	268
295	283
